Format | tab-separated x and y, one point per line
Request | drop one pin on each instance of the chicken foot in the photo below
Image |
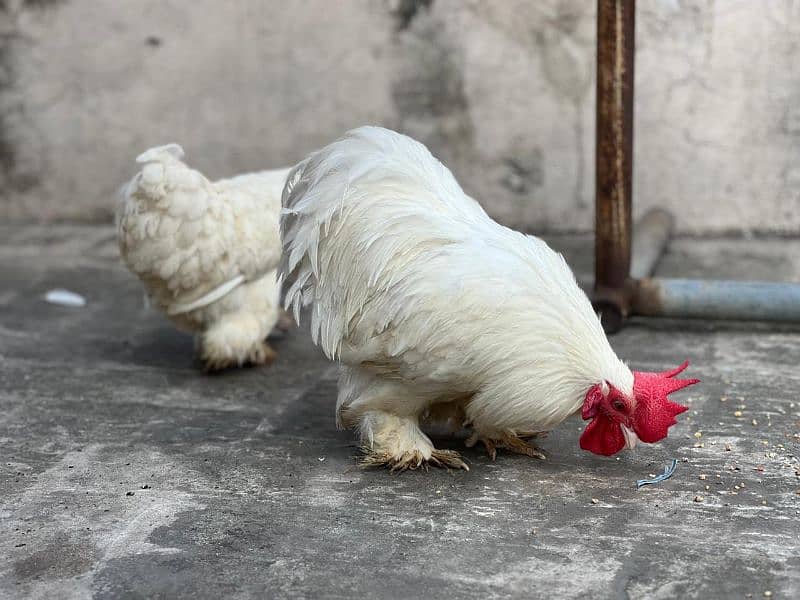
516	443
260	354
399	444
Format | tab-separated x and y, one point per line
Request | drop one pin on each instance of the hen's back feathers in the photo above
191	240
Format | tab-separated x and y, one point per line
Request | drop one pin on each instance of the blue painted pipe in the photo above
709	299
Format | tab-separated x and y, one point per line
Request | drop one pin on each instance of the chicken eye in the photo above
619	405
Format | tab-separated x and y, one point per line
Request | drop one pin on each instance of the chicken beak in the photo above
630	437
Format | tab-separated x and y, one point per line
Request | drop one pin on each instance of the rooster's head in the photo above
618	421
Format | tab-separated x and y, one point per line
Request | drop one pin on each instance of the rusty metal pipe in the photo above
651	235
619	287
614	159
710	299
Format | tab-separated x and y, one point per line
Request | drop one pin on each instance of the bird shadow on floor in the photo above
162	347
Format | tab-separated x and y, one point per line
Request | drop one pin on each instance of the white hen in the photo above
436	311
206	252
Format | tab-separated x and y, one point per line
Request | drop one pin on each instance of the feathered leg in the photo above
371	403
243	320
236	339
399	444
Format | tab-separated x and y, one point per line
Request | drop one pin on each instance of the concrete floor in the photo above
128	473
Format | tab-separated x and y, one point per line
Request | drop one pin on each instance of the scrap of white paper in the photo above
65	298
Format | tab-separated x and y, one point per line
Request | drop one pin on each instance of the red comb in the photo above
655	413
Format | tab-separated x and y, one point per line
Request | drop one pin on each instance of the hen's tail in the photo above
167	183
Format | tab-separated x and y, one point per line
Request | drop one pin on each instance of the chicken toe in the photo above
262	354
508	441
518	445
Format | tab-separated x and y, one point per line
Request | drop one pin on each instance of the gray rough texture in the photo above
127	473
502	91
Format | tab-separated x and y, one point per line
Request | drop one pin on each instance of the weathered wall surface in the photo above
503	92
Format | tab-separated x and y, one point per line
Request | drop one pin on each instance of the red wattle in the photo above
602	436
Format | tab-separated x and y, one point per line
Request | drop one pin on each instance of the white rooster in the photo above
437	312
206	252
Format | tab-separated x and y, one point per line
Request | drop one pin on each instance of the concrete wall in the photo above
502	91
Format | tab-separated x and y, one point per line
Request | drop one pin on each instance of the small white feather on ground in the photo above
65	298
